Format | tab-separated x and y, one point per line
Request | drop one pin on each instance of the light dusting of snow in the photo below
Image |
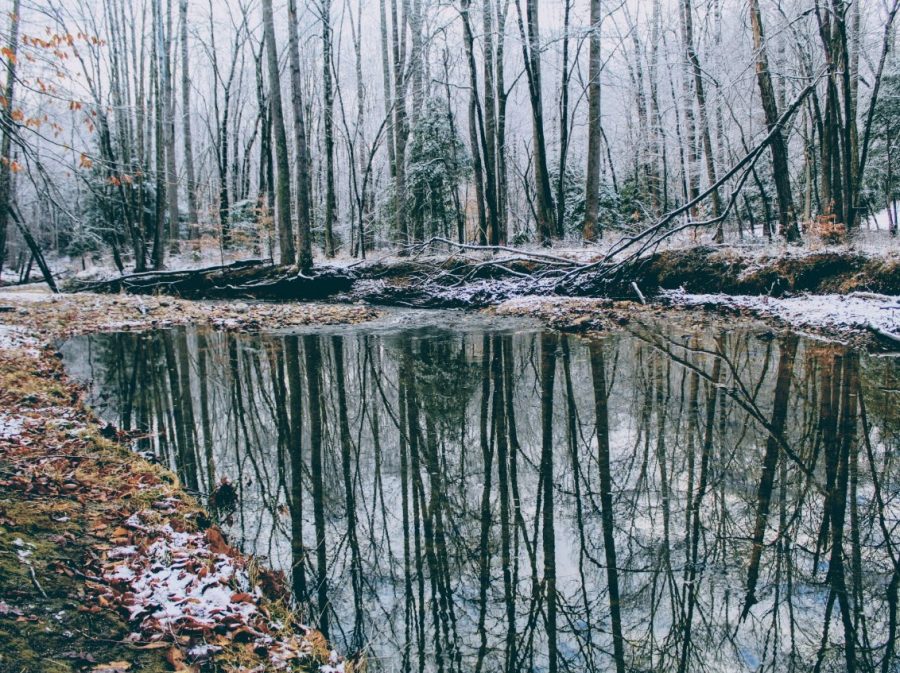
177	581
164	586
10	426
15	338
858	311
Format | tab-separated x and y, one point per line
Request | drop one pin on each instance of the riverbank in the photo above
106	564
862	320
485	277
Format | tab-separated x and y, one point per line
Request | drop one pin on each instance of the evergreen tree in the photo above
437	162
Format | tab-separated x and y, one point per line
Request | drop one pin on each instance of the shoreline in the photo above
106	563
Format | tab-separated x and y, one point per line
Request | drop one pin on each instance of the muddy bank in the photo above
476	282
52	317
106	564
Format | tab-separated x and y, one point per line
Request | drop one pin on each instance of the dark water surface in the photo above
453	493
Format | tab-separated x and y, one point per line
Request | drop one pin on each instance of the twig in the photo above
637	291
494	248
34	581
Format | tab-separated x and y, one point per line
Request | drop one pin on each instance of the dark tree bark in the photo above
301	152
592	187
328	123
531	51
598	374
6	112
787	218
288	252
190	177
687	27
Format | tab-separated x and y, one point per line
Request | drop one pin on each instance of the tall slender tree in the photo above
190	175
301	148
288	251
787	218
592	183
328	127
8	127
531	51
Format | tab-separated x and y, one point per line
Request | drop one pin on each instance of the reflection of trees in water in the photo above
650	501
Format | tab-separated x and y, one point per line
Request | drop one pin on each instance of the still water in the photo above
456	493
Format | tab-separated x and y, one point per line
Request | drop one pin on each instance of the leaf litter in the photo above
135	554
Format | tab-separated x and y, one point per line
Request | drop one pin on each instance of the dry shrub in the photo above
827	229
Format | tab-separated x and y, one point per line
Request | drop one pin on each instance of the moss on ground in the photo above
66	489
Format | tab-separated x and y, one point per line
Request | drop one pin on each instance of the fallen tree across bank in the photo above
477	278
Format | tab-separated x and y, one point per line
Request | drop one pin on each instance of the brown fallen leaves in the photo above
64	315
145	557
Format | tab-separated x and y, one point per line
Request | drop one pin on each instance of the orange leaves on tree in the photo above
118	180
14	166
9	54
85	161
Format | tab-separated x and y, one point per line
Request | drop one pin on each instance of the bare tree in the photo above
592	186
288	253
8	127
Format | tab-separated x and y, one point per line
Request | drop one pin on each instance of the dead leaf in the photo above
112	667
217	543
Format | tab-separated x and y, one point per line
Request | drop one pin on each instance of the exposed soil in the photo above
724	271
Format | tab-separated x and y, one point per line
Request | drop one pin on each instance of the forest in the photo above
449	336
151	134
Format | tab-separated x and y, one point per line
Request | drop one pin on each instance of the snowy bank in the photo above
858	311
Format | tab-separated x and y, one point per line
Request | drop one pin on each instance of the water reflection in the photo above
459	500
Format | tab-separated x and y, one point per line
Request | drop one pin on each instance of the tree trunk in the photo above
301	155
160	232
169	129
592	183
787	219
328	122
6	149
694	61
400	126
288	253
191	184
494	233
531	46
475	120
563	125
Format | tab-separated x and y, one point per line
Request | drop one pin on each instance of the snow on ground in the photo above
190	583
15	338
10	426
25	293
857	311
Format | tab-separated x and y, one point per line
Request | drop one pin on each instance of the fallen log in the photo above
249	279
474	283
